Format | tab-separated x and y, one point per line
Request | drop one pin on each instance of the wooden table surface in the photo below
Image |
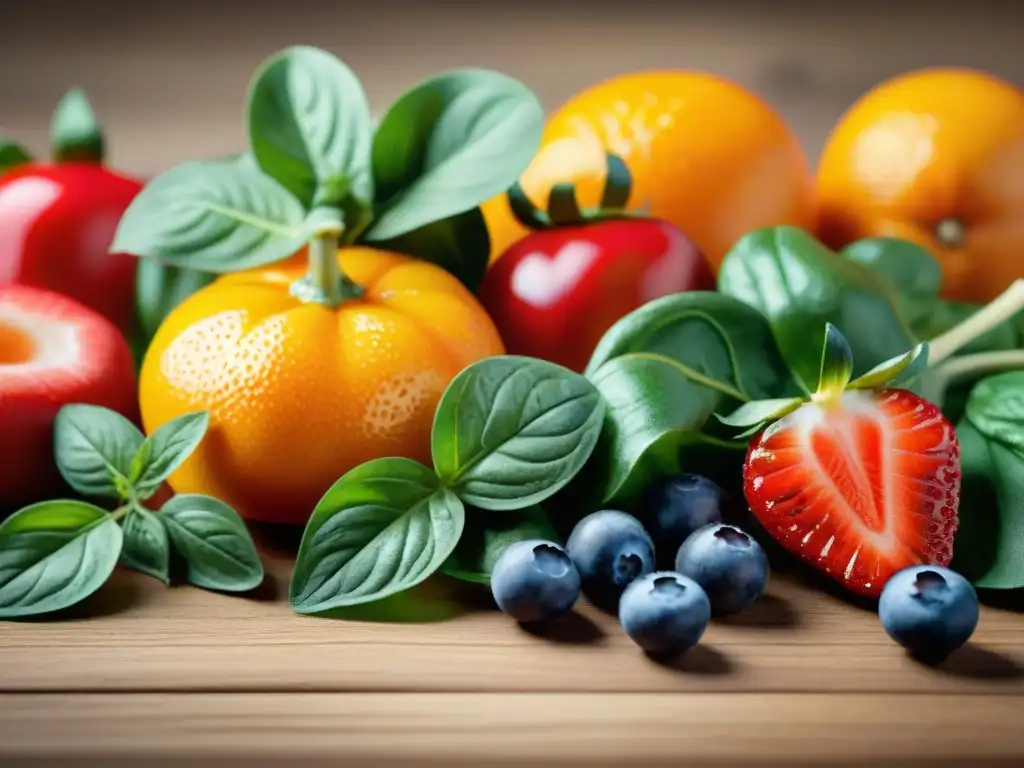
143	672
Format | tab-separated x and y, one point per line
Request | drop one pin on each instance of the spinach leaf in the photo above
989	546
663	371
512	431
384	527
800	285
488	535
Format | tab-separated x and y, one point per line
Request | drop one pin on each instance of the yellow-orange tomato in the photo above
705	154
298	393
935	157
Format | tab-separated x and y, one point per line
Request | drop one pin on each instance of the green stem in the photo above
938	379
325	283
120	512
1005	306
75	134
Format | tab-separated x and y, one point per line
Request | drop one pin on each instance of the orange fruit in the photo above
935	157
705	154
299	393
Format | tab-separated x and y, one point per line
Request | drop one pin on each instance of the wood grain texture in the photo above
136	635
529	729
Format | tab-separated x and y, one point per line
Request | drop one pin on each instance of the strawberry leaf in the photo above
758	412
896	372
836	362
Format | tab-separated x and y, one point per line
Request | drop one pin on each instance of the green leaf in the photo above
165	450
760	411
911	270
147	548
12	154
310	127
450	144
916	278
990	541
75	134
799	285
512	431
214	543
54	554
898	372
488	535
159	288
384	527
836	362
94	447
215	216
663	370
459	244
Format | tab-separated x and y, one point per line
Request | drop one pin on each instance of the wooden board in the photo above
144	672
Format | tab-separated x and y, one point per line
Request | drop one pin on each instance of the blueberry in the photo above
535	580
609	549
730	566
929	610
664	612
677	506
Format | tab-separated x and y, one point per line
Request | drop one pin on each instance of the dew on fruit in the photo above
667	586
551	560
732	536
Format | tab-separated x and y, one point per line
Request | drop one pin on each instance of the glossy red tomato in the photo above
57	219
554	293
56	224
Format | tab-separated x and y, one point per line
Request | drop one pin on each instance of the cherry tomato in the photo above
554	293
57	219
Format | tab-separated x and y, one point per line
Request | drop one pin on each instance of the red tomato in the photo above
56	224
57	220
554	293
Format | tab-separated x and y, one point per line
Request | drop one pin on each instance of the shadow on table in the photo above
979	663
702	659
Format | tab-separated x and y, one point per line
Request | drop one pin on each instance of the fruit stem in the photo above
75	134
325	283
1002	308
938	379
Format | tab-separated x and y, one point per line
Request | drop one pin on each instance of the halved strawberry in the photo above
53	351
860	488
857	481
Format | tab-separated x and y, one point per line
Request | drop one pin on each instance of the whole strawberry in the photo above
862	479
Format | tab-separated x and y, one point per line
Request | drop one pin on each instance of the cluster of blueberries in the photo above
610	556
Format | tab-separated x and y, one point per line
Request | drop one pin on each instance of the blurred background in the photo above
168	78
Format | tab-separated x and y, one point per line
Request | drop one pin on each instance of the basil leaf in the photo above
310	128
165	450
448	145
55	554
990	539
384	527
147	548
487	536
12	154
159	288
512	431
459	244
663	370
214	543
94	447
215	216
799	285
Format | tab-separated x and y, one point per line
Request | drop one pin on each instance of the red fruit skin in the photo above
57	223
859	491
553	294
77	356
